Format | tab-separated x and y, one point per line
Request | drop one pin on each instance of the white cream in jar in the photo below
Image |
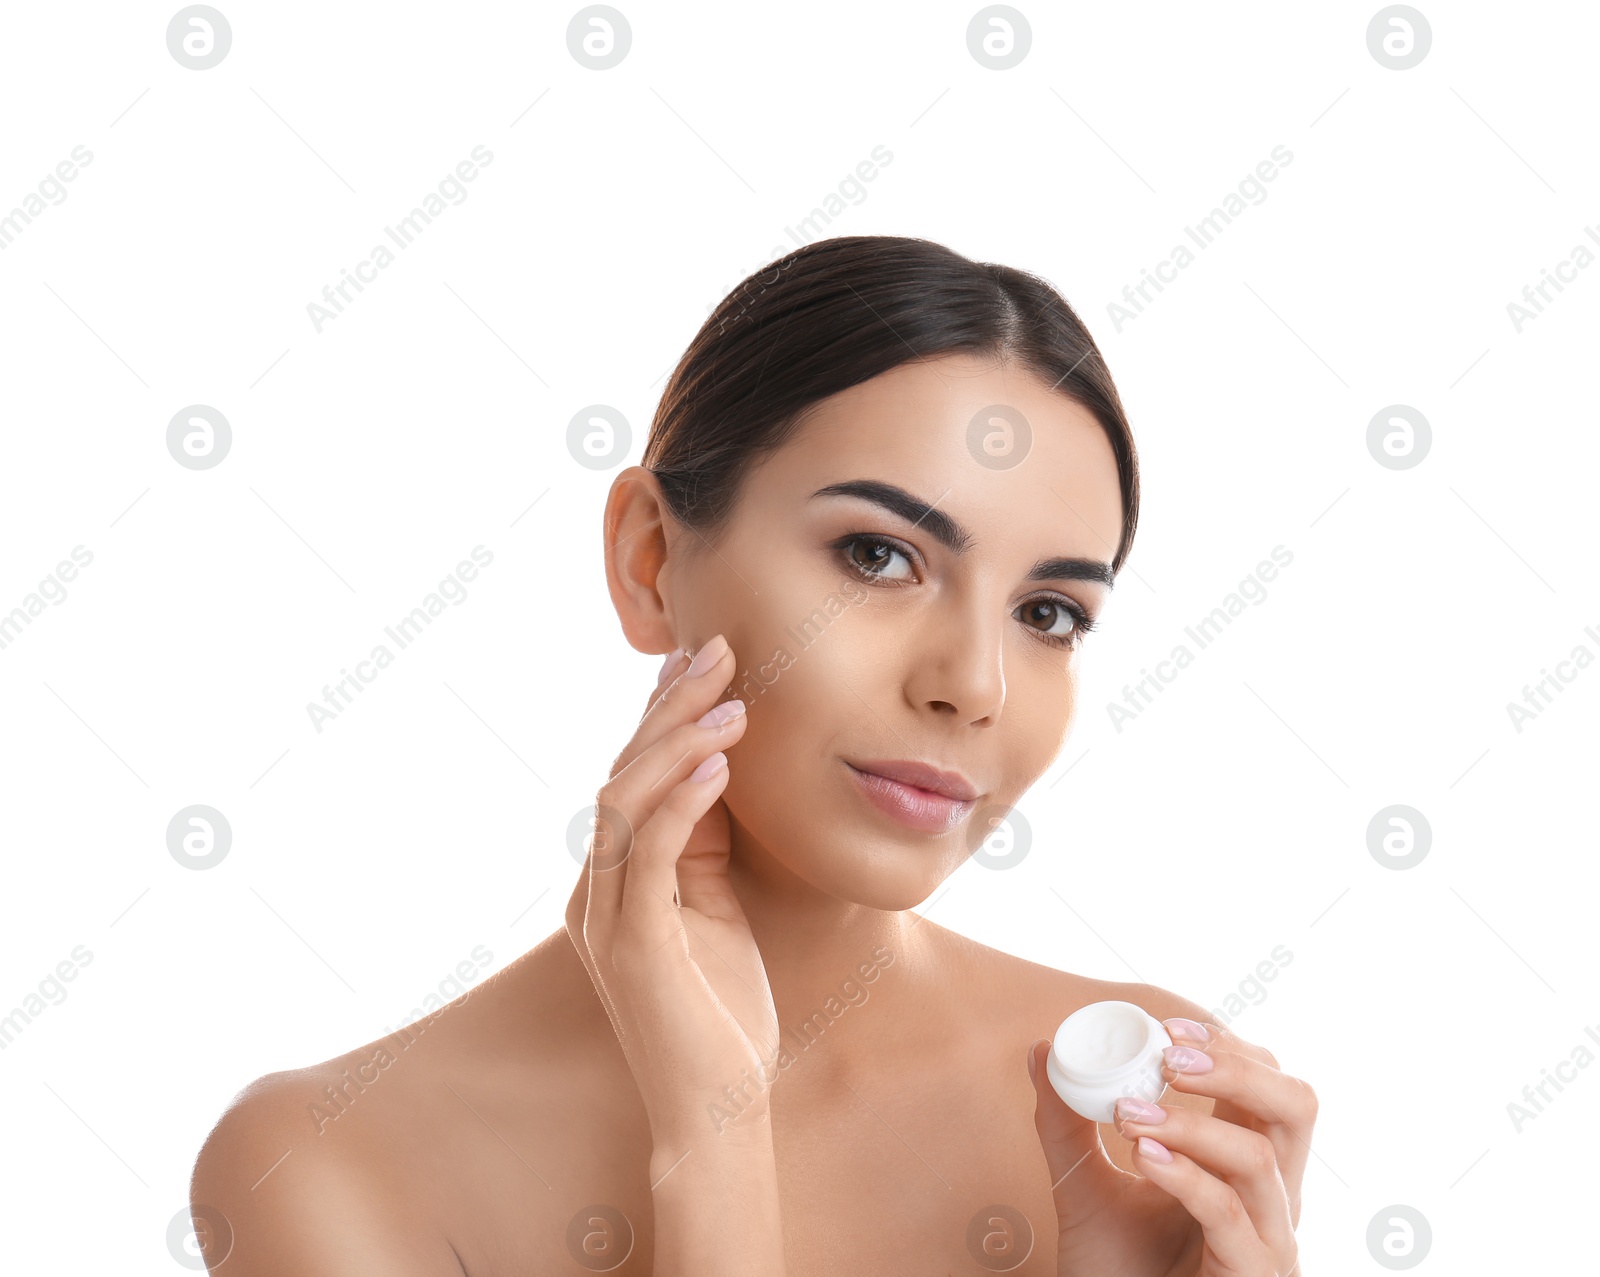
1105	1050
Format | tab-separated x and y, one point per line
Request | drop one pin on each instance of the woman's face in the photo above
862	636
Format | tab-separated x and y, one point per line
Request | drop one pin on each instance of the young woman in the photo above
885	496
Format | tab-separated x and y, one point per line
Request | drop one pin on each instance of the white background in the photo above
431	417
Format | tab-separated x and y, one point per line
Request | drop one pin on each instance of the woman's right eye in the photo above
875	563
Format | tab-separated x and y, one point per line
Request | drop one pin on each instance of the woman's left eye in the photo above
1065	623
1077	622
882	551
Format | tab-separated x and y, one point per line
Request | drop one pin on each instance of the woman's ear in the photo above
636	545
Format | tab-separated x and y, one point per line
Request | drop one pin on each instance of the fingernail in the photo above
1132	1109
1181	1028
710	767
720	714
1186	1059
1033	1064
707	656
668	665
1155	1151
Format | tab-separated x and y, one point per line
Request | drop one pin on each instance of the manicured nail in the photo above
710	767
1155	1151
668	665
1178	1027
707	656
1185	1059
1132	1109
1033	1065
720	714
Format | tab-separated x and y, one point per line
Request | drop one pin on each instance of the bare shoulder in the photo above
1050	988
1163	1004
1039	997
386	1157
1058	990
270	1194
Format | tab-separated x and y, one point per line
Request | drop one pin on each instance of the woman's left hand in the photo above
1219	1194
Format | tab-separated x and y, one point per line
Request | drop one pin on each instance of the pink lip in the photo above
923	809
921	776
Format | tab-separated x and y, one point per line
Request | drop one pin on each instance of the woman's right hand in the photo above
656	921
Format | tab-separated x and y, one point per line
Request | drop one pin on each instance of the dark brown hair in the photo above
838	312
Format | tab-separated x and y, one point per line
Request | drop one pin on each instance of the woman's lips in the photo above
919	808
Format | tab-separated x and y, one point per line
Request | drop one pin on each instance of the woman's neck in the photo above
810	941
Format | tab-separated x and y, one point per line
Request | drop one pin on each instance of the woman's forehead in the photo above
1034	457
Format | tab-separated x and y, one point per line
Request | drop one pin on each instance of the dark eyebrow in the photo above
951	534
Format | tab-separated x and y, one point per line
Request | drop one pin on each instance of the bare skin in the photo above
514	1109
474	1147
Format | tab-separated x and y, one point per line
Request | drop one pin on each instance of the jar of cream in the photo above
1105	1050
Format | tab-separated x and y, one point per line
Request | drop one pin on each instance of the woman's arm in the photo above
716	1206
671	956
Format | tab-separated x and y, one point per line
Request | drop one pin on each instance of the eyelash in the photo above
1083	623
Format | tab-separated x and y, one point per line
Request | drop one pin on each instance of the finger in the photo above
628	798
1244	1159
671	667
1292	1135
597	896
601	921
649	914
630	801
680	681
1083	1178
1250	1091
1188	1032
703	881
1229	1232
